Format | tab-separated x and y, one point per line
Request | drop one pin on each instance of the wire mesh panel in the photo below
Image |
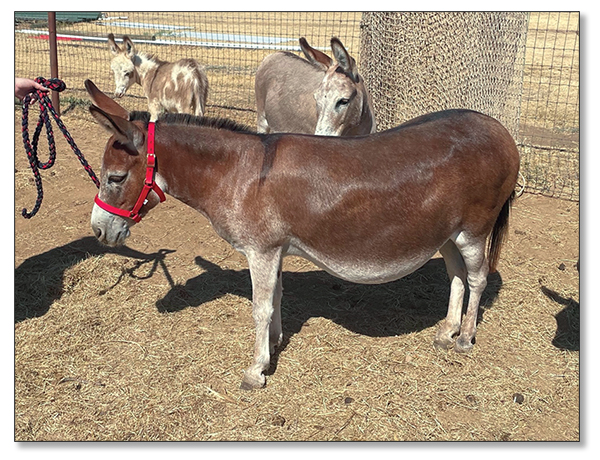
517	67
230	46
549	128
520	68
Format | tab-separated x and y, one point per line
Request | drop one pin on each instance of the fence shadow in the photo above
39	279
410	304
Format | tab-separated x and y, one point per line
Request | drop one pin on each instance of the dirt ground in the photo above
149	342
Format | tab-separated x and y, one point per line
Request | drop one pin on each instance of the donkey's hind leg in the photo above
457	272
473	250
196	105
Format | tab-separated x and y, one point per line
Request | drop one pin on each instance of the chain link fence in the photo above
522	68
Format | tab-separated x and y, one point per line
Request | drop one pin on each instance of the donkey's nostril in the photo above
98	232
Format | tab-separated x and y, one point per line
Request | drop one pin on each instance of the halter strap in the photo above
149	184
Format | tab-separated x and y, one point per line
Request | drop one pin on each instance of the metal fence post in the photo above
53	57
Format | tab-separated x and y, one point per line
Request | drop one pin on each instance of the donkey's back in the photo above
284	86
179	87
421	182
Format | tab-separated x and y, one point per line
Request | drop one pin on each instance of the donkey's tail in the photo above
499	233
199	93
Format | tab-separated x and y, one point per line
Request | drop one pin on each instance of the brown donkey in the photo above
316	95
368	209
179	87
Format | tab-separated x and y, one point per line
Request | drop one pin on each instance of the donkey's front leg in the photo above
275	329
264	271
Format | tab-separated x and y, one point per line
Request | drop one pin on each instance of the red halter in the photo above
149	184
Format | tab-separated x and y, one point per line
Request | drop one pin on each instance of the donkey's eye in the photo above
116	178
342	102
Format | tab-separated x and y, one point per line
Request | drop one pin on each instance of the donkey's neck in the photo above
368	114
204	168
368	123
145	66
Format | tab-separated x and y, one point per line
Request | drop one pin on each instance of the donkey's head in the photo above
122	64
343	106
123	173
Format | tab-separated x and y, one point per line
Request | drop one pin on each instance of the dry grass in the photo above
150	342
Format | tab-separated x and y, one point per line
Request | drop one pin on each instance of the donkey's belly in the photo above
363	271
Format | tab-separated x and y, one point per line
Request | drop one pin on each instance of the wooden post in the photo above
53	57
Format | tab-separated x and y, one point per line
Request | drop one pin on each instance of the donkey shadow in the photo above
413	303
410	304
39	279
567	321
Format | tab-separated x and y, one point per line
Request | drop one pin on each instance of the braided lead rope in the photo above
46	107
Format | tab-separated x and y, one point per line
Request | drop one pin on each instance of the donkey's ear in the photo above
112	44
123	130
128	46
343	58
105	102
319	59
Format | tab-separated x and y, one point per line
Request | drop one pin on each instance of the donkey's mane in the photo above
151	57
187	119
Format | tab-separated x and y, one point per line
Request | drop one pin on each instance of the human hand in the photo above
25	86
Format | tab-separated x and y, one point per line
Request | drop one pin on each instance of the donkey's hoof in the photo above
463	346
249	383
274	344
443	343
